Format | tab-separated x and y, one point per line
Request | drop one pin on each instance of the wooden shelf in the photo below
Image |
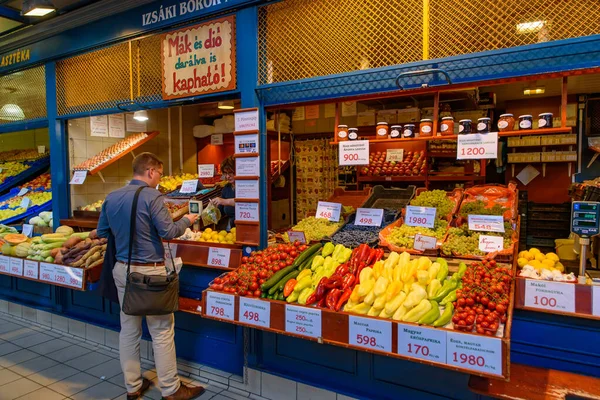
367	179
460	178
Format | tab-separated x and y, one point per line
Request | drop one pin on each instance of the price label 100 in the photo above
555	296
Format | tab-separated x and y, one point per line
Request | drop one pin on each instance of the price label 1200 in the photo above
420	216
220	305
477	146
370	333
255	312
368	217
555	296
218	257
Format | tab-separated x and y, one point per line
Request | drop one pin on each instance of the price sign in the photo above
394	155
41	149
555	296
78	177
330	211
596	300
31	269
220	305
424	343
420	216
218	257
217	139
486	223
255	312
16	266
477	146
489	244
190	186
296	236
474	352
68	276
246	120
247	190
354	152
206	170
370	333
368	217
246	211
423	242
303	321
25	203
247	166
27	230
22	192
4	264
47	272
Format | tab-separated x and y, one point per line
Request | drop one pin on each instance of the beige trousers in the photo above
162	330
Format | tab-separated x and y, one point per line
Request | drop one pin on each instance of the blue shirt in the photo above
228	192
153	223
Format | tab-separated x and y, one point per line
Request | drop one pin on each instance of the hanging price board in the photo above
420	216
477	146
396	155
370	333
486	223
424	343
220	305
296	236
490	244
16	266
27	230
478	353
303	321
255	312
31	269
190	186
246	211
4	264
330	211
354	152
546	295
218	257
22	192
368	217
78	177
423	242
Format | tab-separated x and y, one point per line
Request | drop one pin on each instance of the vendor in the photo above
226	202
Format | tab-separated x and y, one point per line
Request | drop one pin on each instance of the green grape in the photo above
478	207
437	199
404	235
315	228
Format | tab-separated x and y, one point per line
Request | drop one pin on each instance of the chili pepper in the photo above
348	281
353	259
360	268
332	298
321	289
371	257
343	298
378	255
312	298
364	254
321	302
342	269
334	282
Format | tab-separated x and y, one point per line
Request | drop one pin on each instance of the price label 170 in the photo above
474	352
486	223
555	296
220	305
329	211
218	257
420	216
370	333
424	343
368	217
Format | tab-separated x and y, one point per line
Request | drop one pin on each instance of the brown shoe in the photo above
145	385
185	392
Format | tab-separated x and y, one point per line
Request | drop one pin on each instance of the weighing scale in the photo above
585	220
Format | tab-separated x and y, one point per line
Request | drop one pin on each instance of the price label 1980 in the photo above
255	312
370	333
368	217
78	177
420	216
555	296
329	211
474	352
4	264
303	321
486	223
16	266
218	257
354	152
477	146
424	343
31	269
296	236
220	305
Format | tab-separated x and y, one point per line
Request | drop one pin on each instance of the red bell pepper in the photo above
371	257
360	268
321	302
343	298
334	282
348	281
342	269
332	298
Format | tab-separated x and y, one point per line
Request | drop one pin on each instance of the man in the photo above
153	223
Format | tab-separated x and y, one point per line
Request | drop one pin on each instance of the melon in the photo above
15	238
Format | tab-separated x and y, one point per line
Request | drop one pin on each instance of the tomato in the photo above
461	302
470	301
275	268
455	319
261	281
275	257
242	292
293	254
470	320
257	293
485	301
262	273
297	244
244	260
283	256
480	330
302	248
253	286
485	324
490	319
289	261
503	319
494	326
462	322
218	280
282	265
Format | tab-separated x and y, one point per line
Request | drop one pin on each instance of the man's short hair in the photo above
145	161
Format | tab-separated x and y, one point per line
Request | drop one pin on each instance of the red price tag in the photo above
370	333
350	157
477	146
255	312
369	217
220	305
46	272
420	216
330	211
303	321
246	211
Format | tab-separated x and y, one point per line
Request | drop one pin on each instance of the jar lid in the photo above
464	120
542	114
342	126
448	119
426	120
484	119
382	123
407	125
506	115
353	129
396	126
525	116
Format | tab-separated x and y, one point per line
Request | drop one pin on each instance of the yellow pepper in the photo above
399	313
362	308
304	295
392	305
392	290
422	277
366	274
381	285
417	312
370	298
379	302
417	293
303	283
303	273
366	286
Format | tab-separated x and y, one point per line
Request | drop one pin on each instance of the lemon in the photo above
534	251
526	255
208	230
552	256
535	264
522	262
547	263
223	233
540	257
559	267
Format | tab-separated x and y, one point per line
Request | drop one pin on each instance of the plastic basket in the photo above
394	199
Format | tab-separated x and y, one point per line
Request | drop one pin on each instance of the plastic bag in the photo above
210	215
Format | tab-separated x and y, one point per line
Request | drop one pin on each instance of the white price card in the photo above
477	146
394	155
246	212
420	216
217	139
423	242
556	296
490	244
31	269
486	223
245	144
303	321
474	352
247	190
68	276
354	152
368	217
25	203
27	230
207	171
255	312
218	257
190	186
596	300
46	272
330	211
246	120
22	191
4	264
420	342
220	305
370	333
41	149
296	236
78	177
247	166
16	266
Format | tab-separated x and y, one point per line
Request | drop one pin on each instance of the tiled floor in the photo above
38	364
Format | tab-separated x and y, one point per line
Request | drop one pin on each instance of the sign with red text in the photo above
255	312
190	186
370	333
303	321
68	276
16	266
4	264
296	236
31	269
423	242
555	296
329	211
220	305
78	177
486	223
424	343
218	257
394	155
368	217
47	272
420	216
246	120
206	170
246	212
490	244
477	146
354	152
199	59
478	353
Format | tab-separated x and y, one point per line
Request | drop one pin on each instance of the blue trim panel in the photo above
37	123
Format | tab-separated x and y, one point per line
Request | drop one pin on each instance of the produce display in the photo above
352	235
11	168
315	228
537	265
42	182
210	236
169	183
412	164
95	206
21	155
403	236
490	200
463	242
437	199
84	250
123	146
176	209
44	219
11	208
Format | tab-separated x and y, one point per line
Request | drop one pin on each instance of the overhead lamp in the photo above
11	112
141	115
226	105
37	8
530	27
531	91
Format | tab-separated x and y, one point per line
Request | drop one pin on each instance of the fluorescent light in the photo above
141	115
226	105
37	8
530	27
530	91
11	112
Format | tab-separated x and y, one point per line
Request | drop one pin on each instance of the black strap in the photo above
132	226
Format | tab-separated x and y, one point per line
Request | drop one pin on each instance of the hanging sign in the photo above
78	177
246	120
477	146
190	186
556	296
354	152
245	144
368	217
246	190
424	343
199	59
420	216
206	170
116	125
247	166
246	212
490	244
330	211
486	223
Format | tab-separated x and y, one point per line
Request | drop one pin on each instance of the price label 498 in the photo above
255	312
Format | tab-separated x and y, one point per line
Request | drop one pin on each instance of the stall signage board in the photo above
246	120
31	269
420	216
206	170
16	266
489	244
218	257
4	264
247	190
247	166
354	152
368	217
78	177
596	300
372	334
423	343
220	305
246	144
296	236
423	242
585	218
556	296
477	146
190	186
394	155
474	352
47	272
303	321
216	139
255	312
246	212
486	223
329	211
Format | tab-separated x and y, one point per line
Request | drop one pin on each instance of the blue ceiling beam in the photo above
10	13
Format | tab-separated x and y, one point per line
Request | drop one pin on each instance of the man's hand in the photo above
192	218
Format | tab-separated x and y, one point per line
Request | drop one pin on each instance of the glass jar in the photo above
447	126
545	120
342	133
382	130
352	133
506	123
426	127
395	131
484	125
464	126
525	122
409	131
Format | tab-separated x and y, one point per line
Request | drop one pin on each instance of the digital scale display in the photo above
585	218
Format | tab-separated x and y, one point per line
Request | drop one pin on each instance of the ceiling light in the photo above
141	115
537	90
530	27
11	112
226	105
37	8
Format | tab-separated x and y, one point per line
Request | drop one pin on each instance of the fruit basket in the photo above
34	168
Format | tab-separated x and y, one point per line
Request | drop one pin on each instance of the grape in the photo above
315	228
478	207
437	199
404	236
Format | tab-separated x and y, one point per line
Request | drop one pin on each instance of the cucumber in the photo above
284	271
279	285
307	254
309	261
280	296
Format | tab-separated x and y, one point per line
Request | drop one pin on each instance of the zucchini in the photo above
281	297
307	254
277	276
279	285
